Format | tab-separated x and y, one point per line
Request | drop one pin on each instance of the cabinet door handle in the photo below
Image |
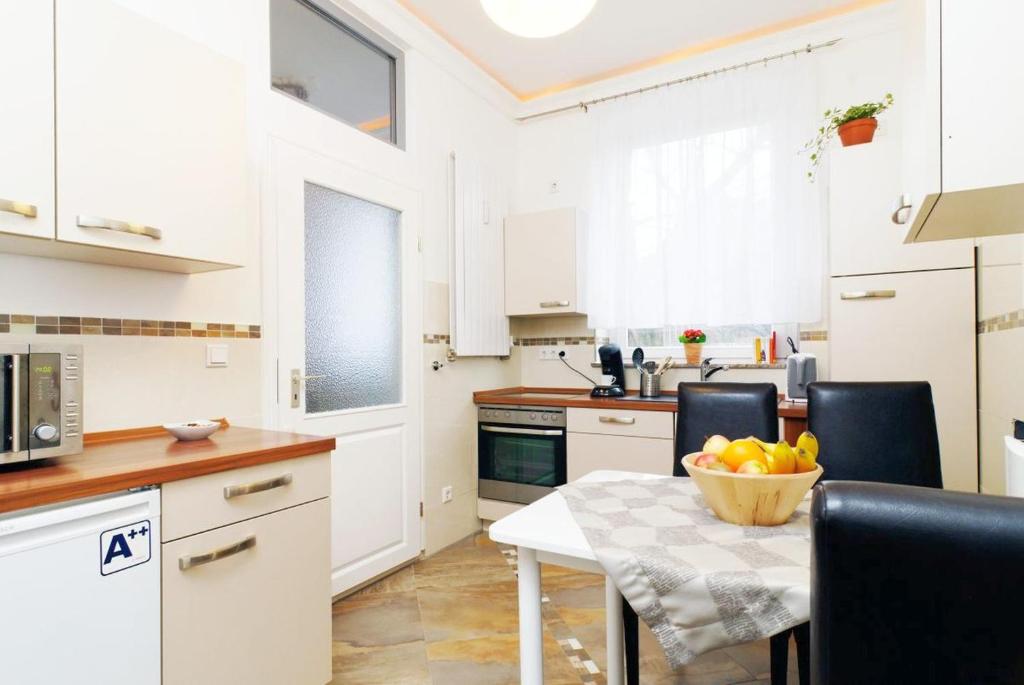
621	420
193	560
22	208
902	203
119	226
259	486
551	304
868	295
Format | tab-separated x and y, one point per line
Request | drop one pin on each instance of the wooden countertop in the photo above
580	397
119	460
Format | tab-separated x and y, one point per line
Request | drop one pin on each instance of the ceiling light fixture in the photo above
537	18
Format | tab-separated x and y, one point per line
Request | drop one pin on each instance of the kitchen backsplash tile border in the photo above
1003	322
31	324
813	336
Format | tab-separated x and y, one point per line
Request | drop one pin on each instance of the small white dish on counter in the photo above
192	430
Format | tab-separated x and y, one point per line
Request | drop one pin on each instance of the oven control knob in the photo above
533	416
544	418
508	415
45	432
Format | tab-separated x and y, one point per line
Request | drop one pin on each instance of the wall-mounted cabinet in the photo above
545	262
150	140
963	176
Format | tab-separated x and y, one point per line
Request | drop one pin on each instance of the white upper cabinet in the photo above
863	179
963	175
26	118
544	262
151	146
982	136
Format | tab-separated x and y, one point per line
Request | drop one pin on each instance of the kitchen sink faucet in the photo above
707	371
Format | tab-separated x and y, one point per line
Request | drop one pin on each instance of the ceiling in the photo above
618	37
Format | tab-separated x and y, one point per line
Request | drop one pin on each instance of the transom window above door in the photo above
334	64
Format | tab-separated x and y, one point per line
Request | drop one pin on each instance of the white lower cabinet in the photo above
588	452
260	615
915	327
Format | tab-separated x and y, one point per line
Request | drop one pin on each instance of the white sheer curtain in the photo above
701	212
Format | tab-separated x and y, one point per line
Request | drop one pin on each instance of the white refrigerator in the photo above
80	592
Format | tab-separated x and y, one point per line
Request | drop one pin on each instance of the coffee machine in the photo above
611	365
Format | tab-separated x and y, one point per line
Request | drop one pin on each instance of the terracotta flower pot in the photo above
858	131
693	351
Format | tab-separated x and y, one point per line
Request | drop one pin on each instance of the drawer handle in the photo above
902	204
551	304
625	421
259	486
191	561
868	295
23	208
119	226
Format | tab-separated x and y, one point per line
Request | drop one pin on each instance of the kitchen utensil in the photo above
751	499
666	364
650	383
650	367
192	430
638	358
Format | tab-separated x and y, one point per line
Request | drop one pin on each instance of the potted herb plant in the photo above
855	125
693	340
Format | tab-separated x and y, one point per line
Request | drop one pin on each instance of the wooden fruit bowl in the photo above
751	499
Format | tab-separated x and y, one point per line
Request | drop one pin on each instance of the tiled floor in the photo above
452	620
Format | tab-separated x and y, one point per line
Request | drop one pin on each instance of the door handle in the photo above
193	560
868	295
296	385
520	431
621	420
231	491
23	208
551	304
902	203
119	226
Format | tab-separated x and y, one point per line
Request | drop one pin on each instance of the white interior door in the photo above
348	326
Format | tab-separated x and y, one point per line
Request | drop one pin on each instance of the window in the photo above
337	66
723	342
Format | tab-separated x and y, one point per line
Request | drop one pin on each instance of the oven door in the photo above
520	464
13	404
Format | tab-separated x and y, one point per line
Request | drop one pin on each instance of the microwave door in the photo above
13	391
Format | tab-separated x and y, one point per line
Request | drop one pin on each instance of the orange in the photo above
740	451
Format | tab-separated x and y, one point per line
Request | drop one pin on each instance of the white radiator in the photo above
478	206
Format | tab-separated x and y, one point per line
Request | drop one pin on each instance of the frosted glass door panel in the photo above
353	302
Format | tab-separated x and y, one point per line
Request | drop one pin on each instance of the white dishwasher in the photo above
80	592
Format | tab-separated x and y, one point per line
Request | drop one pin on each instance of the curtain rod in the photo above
585	105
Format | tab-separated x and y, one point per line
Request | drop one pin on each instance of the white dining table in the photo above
545	532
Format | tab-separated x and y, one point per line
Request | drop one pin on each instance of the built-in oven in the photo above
521	452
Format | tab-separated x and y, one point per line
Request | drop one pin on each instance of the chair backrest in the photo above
734	410
883	432
915	585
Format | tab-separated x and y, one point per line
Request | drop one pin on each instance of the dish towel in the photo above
698	582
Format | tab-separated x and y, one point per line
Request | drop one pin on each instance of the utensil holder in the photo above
650	384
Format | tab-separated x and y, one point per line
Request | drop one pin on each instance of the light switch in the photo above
216	356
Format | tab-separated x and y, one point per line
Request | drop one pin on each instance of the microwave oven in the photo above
40	401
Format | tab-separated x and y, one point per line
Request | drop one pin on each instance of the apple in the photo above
752	467
706	459
716	444
718	466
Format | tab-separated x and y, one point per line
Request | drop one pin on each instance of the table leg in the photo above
613	626
531	629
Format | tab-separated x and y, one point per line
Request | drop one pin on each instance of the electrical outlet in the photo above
549	354
446	494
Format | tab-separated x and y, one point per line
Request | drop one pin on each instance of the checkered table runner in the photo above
698	582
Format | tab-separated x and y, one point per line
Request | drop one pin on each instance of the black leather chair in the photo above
880	432
915	585
734	410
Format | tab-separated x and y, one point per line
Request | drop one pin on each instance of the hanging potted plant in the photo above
855	125
693	340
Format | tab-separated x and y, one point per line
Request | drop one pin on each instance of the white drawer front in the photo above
648	424
259	614
196	504
588	452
